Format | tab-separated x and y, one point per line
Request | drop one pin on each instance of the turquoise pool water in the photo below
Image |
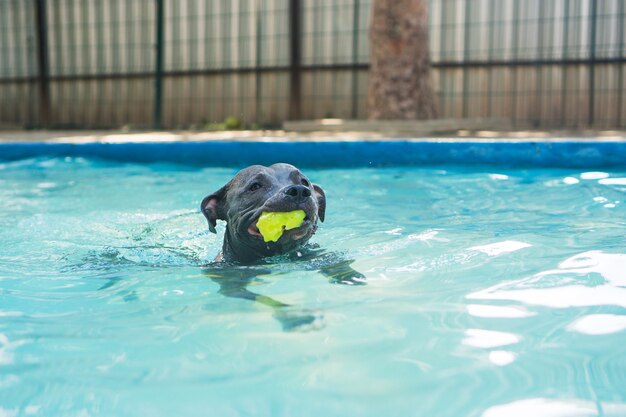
494	293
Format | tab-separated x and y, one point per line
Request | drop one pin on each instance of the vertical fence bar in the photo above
257	63
566	13
175	54
226	62
355	58
592	61
101	62
295	93
158	68
60	58
515	56
240	81
466	58
11	55
43	65
317	54
334	57
492	47
443	56
85	59
114	103
541	55
209	60
29	22
192	58
129	36
70	36
17	61
620	71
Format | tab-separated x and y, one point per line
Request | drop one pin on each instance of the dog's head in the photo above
258	189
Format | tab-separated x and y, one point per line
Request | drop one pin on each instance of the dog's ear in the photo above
212	207
321	201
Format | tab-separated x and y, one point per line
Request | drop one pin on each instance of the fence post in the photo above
466	58
564	76
295	93
355	58
515	57
158	75
257	64
541	55
592	61
43	65
620	67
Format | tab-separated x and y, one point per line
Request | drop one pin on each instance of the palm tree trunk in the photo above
400	84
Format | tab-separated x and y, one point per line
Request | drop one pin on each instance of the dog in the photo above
244	256
278	188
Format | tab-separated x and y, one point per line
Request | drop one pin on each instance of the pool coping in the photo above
330	152
120	136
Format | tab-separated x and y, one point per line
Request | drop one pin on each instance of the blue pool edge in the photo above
327	154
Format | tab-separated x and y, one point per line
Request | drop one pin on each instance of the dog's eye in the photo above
255	186
305	182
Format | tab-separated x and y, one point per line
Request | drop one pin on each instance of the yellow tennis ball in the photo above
272	225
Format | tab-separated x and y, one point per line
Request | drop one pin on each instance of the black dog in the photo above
278	188
257	189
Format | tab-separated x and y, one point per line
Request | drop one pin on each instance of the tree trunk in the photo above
400	84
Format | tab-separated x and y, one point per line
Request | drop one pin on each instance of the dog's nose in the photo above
298	192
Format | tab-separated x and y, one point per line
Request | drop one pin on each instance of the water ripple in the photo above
571	284
101	280
546	407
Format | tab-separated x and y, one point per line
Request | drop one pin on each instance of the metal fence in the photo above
182	63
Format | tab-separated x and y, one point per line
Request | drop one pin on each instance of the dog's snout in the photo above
298	192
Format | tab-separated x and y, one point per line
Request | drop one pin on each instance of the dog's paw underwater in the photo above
272	225
300	320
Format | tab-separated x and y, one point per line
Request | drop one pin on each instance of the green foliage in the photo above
231	123
214	127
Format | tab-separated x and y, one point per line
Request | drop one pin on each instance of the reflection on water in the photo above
594	175
574	283
588	279
502	357
613	181
499	248
483	310
544	407
597	324
489	338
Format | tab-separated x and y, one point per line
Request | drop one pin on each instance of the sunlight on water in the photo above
489	294
573	283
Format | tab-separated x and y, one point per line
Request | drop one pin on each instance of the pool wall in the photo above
323	154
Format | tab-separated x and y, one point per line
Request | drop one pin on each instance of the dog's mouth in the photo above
292	234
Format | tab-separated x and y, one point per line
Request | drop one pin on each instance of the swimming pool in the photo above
491	292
